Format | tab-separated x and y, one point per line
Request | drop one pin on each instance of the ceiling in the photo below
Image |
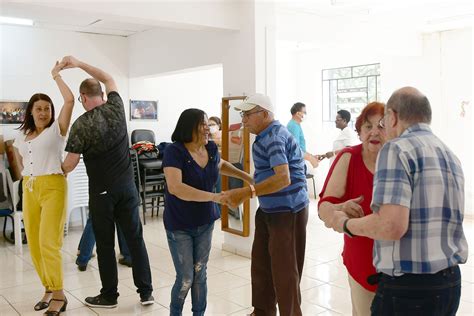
423	15
125	18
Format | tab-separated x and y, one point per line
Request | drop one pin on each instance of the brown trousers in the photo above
277	262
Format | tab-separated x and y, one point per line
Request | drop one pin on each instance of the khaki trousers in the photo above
361	298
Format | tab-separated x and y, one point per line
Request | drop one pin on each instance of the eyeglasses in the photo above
79	98
382	120
247	114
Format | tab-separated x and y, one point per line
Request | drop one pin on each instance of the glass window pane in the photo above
379	89
349	88
338	73
372	89
326	103
333	98
350	84
366	70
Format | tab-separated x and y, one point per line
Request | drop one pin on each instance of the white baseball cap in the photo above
256	99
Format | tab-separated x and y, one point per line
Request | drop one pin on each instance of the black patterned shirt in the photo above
100	135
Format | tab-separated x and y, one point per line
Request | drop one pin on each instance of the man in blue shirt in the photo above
418	205
298	114
280	221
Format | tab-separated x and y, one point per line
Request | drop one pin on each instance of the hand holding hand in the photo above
235	197
320	157
219	198
352	207
70	62
57	68
314	161
336	221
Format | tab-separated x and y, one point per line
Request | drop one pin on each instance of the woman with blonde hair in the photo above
40	147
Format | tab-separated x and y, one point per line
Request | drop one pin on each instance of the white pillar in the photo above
249	67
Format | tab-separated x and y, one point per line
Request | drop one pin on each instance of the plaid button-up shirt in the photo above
418	171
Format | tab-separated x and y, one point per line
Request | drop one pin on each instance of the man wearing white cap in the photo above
280	221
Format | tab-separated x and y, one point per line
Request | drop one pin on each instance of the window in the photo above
349	88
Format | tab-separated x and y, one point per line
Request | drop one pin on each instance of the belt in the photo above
375	278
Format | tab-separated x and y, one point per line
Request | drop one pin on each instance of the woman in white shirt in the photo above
40	147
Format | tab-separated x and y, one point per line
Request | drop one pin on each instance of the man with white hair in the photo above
417	224
280	222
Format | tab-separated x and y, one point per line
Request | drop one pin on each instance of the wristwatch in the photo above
346	230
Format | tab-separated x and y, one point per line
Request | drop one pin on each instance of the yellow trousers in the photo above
44	213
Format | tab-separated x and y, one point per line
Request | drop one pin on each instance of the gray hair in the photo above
411	105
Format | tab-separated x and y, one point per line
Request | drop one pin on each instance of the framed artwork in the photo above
12	112
143	110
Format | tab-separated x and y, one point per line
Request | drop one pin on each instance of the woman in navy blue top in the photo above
191	166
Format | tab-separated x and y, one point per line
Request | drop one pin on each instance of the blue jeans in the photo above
418	294
87	242
190	251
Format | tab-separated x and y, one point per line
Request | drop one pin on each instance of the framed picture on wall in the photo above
143	110
12	112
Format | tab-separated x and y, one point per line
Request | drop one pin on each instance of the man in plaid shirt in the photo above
418	205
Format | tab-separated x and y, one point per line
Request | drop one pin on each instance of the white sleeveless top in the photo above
42	155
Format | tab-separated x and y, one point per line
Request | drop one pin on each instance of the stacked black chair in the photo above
149	173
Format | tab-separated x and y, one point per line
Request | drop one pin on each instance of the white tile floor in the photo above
324	285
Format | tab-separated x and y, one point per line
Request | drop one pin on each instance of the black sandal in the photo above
63	308
42	304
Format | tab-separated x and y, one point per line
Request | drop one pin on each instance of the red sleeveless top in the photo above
358	251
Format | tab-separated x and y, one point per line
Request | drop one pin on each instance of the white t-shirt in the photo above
42	155
346	138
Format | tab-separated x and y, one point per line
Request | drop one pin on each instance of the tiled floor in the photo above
324	285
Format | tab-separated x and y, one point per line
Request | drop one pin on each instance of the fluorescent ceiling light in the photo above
18	21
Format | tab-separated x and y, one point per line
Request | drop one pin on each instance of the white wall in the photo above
27	56
439	64
246	57
160	50
166	50
196	88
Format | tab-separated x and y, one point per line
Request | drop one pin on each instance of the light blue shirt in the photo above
297	132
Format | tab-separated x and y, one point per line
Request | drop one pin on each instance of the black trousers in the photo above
418	294
119	205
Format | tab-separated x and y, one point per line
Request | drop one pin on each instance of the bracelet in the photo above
254	193
56	76
346	230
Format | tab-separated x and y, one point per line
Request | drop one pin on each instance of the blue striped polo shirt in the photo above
276	146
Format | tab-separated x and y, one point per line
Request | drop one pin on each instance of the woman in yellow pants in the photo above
40	147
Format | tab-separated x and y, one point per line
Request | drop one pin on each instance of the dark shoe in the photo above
62	309
42	304
81	267
100	301
125	262
147	300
